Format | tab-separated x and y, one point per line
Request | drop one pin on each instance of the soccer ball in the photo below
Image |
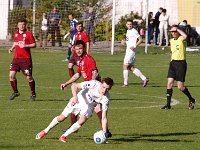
99	137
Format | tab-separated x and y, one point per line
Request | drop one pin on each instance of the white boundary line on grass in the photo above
174	102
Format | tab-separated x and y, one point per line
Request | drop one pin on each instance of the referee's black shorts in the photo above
177	70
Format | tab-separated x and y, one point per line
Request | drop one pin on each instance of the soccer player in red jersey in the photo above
23	41
88	69
80	35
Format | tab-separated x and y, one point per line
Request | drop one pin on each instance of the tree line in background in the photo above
103	29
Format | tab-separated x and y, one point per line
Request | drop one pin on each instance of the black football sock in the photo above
187	93
169	96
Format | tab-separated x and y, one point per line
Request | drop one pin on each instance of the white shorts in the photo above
81	107
129	58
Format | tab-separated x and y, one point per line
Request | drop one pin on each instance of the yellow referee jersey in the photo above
178	48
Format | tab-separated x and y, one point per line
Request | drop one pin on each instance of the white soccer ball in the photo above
99	137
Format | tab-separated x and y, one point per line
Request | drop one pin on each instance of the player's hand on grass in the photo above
108	134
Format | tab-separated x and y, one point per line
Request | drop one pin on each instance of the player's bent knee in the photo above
61	118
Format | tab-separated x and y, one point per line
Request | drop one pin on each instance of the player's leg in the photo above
69	51
53	123
185	90
139	74
181	68
66	112
125	75
74	128
14	67
169	92
13	83
27	68
31	82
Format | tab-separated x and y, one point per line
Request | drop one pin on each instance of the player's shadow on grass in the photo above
49	99
163	137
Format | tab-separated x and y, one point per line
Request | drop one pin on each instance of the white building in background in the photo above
4	7
124	7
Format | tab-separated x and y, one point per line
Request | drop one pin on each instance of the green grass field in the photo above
135	118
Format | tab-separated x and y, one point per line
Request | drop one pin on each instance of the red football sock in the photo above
32	87
73	119
14	85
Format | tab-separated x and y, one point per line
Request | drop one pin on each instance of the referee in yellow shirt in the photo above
178	66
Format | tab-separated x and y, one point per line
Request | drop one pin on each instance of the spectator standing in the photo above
178	67
72	32
23	41
90	23
156	25
54	20
150	27
43	24
163	27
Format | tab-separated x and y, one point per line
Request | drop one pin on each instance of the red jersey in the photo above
86	65
24	38
82	36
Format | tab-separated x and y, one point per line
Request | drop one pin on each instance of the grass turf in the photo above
135	118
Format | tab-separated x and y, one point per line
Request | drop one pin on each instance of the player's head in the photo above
106	85
71	17
79	26
21	24
79	46
129	24
174	32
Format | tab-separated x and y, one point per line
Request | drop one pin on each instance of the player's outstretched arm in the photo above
104	121
74	78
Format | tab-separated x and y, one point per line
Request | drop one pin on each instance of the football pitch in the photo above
135	118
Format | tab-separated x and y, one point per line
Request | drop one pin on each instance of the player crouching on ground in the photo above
92	93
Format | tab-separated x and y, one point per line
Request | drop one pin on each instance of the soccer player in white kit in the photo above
133	39
92	93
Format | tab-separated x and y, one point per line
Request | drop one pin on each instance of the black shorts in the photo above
177	70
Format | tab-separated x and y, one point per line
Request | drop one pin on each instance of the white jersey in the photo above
131	40
88	98
90	93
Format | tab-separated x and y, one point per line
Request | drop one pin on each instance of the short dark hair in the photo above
80	23
21	20
164	10
129	20
108	81
79	42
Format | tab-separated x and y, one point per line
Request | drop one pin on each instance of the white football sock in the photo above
53	123
138	73
125	74
72	129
